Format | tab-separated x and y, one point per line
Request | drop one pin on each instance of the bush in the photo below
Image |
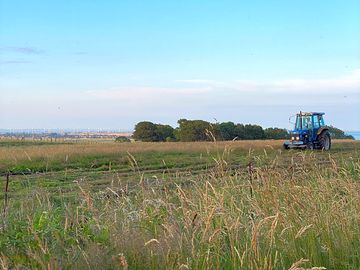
122	139
339	134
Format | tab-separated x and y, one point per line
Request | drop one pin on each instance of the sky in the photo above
110	64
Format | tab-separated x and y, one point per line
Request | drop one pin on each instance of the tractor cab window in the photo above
303	122
321	119
298	123
316	121
306	122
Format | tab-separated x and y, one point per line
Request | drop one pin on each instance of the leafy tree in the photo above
150	132
227	130
193	130
164	132
339	134
239	132
145	131
214	129
276	133
177	133
254	132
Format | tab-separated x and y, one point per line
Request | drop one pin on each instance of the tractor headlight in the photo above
292	138
297	138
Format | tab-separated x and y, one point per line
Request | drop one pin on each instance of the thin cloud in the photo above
277	92
147	93
242	101
346	83
199	81
14	62
22	50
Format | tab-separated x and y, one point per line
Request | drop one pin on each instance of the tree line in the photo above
200	130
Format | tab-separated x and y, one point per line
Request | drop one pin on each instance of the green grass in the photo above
145	160
148	160
187	210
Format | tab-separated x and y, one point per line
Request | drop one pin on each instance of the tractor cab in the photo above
309	132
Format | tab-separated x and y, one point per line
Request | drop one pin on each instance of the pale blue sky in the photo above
109	64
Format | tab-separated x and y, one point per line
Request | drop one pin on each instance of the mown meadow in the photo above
208	205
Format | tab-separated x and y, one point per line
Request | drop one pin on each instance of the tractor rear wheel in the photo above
324	140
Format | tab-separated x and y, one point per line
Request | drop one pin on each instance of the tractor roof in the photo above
310	113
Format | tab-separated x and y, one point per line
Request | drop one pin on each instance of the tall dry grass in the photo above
94	147
304	216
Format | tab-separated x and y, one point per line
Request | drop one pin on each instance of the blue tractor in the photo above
310	132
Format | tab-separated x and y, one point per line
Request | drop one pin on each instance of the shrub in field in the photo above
170	139
122	139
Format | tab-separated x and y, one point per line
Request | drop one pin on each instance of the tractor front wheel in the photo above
325	141
310	146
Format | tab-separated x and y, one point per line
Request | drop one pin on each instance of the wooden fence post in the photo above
7	176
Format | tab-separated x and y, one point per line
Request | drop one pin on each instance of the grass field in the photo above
104	205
